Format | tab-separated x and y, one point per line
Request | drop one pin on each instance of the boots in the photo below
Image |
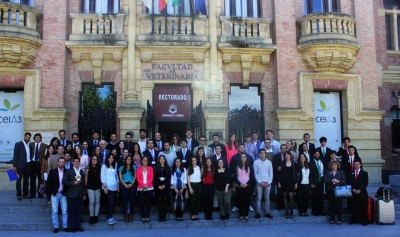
91	220
95	220
126	218
130	217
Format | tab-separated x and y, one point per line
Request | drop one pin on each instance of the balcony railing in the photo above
249	31
328	25
97	27
14	14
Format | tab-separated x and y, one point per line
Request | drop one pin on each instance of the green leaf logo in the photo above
323	106
7	106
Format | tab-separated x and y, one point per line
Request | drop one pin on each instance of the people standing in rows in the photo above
74	179
306	153
121	148
349	155
68	161
175	144
250	148
274	143
110	182
55	142
231	147
142	139
84	159
255	141
178	186
103	151
54	158
136	156
150	153
303	184
223	189
359	183
62	135
317	184
158	143
145	177
113	143
334	177
127	178
123	157
169	155
85	149
162	181
185	154
289	149
287	182
310	146
37	152
208	187
277	167
128	141
21	166
208	152
191	142
58	193
75	140
44	169
324	151
194	183
263	176
94	142
344	150
218	155
217	143
244	181
93	186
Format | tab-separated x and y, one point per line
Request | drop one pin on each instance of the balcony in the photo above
172	37
328	41
246	40
19	37
97	38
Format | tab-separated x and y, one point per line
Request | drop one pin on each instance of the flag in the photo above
162	4
147	3
175	3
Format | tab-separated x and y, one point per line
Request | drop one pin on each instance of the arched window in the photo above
25	2
243	8
100	6
317	6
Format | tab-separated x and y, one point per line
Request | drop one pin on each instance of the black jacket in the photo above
53	183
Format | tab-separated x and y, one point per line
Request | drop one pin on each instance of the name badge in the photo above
162	178
184	161
153	162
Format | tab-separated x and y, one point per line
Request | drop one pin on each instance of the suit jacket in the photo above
161	144
327	158
276	162
311	148
150	177
347	165
19	158
67	142
329	177
91	146
111	146
152	162
41	151
207	151
185	160
194	144
314	172
74	190
53	182
361	183
102	159
215	161
223	150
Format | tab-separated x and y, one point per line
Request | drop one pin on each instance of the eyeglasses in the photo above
202	140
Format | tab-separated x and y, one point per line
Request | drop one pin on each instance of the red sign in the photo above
172	103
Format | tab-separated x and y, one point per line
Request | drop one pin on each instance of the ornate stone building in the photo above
288	49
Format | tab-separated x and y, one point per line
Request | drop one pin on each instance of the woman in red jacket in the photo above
145	176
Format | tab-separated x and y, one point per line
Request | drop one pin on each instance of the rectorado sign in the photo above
172	103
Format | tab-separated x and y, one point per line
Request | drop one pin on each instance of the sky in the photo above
239	97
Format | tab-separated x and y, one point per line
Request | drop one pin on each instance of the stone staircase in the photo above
34	214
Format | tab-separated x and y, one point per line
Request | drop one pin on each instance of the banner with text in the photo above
11	122
327	119
172	71
172	103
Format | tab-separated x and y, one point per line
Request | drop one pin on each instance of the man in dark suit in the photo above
157	142
129	142
21	165
277	160
348	162
217	156
359	183
185	154
151	153
103	151
217	143
311	146
75	140
113	144
37	150
192	143
63	141
343	152
58	195
74	179
317	171
236	158
93	143
324	151
53	159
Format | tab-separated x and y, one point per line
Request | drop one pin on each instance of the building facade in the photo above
156	58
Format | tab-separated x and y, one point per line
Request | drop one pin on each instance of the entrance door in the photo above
167	129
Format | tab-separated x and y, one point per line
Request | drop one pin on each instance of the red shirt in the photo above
209	179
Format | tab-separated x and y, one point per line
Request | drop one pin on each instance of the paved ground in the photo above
306	230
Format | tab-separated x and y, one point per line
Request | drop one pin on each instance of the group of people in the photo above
180	169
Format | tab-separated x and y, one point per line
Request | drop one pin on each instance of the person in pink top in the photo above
244	182
145	176
231	147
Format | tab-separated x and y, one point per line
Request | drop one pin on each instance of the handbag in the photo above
42	189
178	203
343	191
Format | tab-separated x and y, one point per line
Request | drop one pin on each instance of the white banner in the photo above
11	122
327	119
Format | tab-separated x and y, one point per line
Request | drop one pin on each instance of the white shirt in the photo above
196	176
142	144
28	152
306	174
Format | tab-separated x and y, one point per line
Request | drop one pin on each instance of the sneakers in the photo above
235	208
251	208
111	221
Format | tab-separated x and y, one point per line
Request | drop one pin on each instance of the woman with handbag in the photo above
178	188
333	178
194	183
162	183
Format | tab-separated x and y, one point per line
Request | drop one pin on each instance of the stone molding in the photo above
149	53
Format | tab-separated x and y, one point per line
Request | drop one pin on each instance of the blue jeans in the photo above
128	197
55	201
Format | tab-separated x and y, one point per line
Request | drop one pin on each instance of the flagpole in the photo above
152	16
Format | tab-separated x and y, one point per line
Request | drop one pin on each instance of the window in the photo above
25	2
317	6
243	8
100	6
169	7
392	22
